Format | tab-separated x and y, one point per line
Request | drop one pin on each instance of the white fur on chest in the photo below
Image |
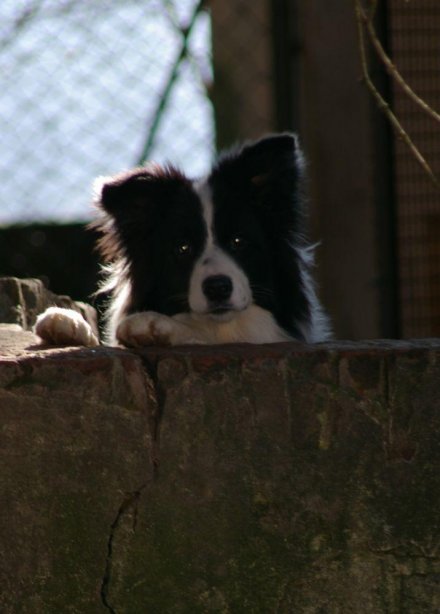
252	325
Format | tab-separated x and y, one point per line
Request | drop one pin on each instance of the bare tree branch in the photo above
381	102
392	69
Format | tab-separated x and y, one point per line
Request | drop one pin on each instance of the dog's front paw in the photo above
59	326
145	328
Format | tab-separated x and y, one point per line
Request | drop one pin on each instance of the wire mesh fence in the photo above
91	88
415	41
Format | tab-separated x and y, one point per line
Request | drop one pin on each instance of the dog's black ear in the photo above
135	191
271	173
129	204
260	162
124	192
271	159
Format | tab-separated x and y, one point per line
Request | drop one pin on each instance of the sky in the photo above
80	84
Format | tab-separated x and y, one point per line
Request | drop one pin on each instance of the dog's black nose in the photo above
217	288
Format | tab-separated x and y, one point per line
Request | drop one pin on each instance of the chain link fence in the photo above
91	88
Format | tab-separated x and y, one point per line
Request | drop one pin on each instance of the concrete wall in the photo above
283	478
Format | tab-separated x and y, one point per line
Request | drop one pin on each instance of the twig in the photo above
382	103
392	69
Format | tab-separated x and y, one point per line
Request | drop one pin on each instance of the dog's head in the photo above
211	247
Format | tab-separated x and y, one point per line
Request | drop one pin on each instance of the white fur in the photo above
215	261
252	325
117	308
61	326
316	328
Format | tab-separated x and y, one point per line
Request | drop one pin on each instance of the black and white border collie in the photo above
220	260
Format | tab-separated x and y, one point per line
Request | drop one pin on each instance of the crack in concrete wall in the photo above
129	503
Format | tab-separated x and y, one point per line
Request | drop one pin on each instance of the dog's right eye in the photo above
183	249
237	243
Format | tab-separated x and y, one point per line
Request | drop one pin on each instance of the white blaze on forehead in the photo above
215	261
204	192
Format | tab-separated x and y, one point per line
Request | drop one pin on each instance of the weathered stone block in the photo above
279	478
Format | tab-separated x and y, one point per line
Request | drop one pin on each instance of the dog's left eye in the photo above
184	249
237	242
